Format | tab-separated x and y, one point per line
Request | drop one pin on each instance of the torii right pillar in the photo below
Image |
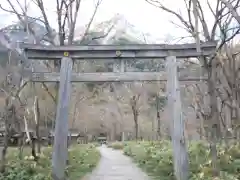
180	154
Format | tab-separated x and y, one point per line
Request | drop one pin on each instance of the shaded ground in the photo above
116	166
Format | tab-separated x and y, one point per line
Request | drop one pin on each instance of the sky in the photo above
139	13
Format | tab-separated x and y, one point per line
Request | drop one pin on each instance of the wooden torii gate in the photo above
119	54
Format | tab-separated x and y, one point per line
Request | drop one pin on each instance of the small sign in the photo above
66	54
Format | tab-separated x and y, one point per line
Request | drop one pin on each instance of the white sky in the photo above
142	15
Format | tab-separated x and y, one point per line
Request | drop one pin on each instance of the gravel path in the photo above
116	166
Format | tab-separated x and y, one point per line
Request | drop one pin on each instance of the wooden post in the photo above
122	65
60	150
180	155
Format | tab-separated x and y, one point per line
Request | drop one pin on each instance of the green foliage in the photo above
82	159
161	102
152	65
156	159
158	102
117	145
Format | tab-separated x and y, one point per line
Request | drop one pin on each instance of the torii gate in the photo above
119	54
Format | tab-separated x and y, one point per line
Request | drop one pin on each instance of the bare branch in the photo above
231	9
50	34
73	19
200	14
158	4
49	93
92	18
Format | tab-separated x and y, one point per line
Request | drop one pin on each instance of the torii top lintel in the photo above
132	51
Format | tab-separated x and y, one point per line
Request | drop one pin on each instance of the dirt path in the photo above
116	166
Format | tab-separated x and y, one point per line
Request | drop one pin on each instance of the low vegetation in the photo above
82	159
157	160
116	145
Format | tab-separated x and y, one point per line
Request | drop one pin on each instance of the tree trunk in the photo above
33	146
21	146
5	144
123	136
158	126
153	130
135	112
30	139
37	116
135	117
4	153
115	131
214	118
8	120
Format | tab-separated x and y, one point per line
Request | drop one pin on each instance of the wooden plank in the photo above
103	52
181	164
128	55
128	47
112	77
61	129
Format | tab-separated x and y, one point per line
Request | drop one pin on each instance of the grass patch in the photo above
82	160
117	145
157	160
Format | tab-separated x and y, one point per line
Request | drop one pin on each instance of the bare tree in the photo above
12	87
137	101
202	32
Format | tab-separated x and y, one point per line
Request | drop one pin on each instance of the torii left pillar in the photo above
60	147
